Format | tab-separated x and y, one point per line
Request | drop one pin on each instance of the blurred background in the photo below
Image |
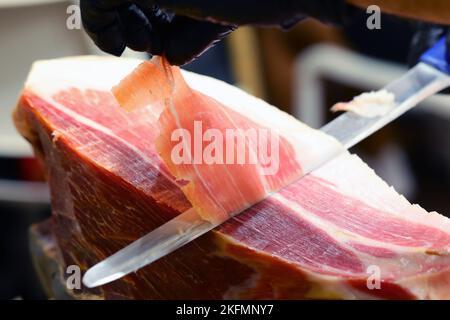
303	71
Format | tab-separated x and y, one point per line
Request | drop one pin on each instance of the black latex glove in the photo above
186	28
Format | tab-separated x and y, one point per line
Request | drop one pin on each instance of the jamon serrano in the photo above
322	237
222	186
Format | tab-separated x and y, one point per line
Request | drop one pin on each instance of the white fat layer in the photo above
413	257
348	173
432	287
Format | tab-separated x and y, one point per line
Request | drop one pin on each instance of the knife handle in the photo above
437	55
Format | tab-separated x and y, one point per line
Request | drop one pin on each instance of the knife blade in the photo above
424	80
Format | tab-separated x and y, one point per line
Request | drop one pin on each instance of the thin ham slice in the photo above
218	190
368	104
317	238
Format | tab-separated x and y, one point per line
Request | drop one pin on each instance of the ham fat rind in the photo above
321	237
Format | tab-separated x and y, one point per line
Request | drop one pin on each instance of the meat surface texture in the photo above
329	235
247	160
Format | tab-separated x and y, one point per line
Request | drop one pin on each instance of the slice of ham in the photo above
318	238
218	190
368	104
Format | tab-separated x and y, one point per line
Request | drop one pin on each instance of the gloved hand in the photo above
425	37
182	30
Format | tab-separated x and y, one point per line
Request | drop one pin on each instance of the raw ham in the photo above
368	104
226	186
324	236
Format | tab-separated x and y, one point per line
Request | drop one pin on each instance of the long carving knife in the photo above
430	76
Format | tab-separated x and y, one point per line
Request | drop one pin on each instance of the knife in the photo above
428	77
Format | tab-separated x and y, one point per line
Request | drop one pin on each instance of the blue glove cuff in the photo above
437	56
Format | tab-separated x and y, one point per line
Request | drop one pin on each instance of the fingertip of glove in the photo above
109	40
190	38
116	51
